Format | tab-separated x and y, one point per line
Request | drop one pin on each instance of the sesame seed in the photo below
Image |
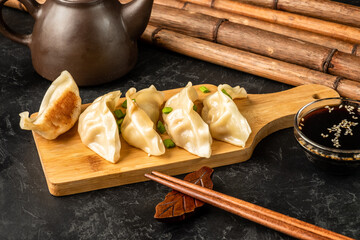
329	108
350	109
337	129
324	135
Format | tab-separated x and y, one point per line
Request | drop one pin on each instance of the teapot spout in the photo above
135	15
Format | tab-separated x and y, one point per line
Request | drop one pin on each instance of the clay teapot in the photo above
95	40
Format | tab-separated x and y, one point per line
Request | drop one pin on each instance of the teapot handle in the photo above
32	7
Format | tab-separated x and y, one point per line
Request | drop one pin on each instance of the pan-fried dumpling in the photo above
185	126
224	118
98	128
149	100
59	109
138	130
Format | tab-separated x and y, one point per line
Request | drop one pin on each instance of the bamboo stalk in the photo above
331	29
261	3
247	62
267	26
258	41
323	9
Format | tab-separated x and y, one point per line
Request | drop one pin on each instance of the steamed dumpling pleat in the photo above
185	126
224	118
149	100
138	129
98	128
59	109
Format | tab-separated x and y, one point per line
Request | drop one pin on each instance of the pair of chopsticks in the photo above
271	219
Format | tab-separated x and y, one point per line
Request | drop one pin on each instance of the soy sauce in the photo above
333	126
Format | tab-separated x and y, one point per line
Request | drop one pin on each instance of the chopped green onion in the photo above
119	114
204	89
124	104
167	110
120	121
169	143
225	92
195	108
161	127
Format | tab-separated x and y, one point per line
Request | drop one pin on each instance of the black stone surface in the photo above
278	175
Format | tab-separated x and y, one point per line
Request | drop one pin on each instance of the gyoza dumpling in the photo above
224	118
59	109
185	126
149	100
138	130
98	128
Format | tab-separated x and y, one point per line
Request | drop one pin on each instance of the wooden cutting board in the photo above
70	167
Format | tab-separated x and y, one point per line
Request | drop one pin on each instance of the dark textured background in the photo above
277	176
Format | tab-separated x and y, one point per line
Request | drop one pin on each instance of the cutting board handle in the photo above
277	110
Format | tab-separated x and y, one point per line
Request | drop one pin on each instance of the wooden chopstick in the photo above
271	219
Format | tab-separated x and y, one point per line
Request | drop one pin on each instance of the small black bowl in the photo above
332	160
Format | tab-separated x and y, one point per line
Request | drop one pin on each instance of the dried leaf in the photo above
178	206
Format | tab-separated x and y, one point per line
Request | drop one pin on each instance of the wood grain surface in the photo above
70	167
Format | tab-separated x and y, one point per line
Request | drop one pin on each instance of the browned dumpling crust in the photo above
59	109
